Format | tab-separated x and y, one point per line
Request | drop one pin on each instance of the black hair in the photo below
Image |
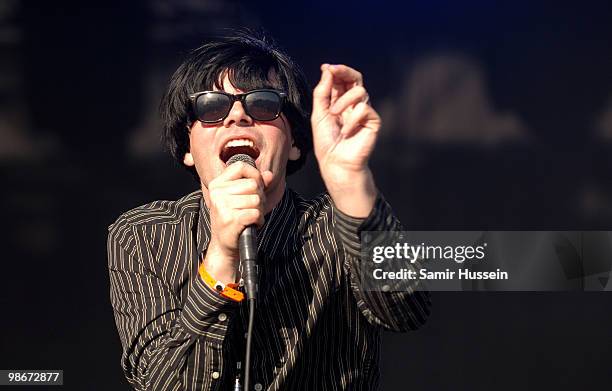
250	61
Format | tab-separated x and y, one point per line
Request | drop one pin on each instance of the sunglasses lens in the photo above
263	105
212	107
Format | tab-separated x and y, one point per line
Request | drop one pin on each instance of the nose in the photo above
237	115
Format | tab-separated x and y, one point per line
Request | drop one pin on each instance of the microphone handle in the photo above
247	246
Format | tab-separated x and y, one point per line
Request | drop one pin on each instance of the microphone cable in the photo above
247	357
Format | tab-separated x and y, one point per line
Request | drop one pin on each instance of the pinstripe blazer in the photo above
315	328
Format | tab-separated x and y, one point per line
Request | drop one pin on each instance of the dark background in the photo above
497	116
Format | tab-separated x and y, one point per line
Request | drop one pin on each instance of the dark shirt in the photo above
315	329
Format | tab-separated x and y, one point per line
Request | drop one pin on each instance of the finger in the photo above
248	217
243	201
241	186
322	94
361	114
239	170
351	98
338	89
346	74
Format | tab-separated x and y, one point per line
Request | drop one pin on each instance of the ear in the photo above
188	160
294	152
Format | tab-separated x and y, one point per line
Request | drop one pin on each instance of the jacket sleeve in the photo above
168	343
407	306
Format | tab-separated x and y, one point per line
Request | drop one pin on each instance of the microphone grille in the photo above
241	157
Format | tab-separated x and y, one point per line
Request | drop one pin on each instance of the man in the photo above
174	265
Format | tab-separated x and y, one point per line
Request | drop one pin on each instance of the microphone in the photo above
247	243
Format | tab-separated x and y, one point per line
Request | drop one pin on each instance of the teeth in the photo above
239	143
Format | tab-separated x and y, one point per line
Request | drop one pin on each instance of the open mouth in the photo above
236	146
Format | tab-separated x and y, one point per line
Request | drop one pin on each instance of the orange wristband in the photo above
226	290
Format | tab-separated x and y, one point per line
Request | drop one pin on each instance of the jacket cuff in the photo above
206	313
349	228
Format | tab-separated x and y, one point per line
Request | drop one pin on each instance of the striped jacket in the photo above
315	329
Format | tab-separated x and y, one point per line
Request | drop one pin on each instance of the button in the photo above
258	387
215	375
222	317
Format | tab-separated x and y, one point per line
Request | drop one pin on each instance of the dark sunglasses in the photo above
214	106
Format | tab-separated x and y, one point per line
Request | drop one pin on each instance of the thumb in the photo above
322	93
267	177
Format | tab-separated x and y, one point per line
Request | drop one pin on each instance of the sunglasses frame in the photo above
237	97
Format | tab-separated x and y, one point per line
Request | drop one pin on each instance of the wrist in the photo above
223	267
353	193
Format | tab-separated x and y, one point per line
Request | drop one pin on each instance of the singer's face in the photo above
269	142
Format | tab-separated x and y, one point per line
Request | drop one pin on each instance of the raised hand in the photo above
345	128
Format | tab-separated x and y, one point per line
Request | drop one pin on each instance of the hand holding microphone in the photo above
236	201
